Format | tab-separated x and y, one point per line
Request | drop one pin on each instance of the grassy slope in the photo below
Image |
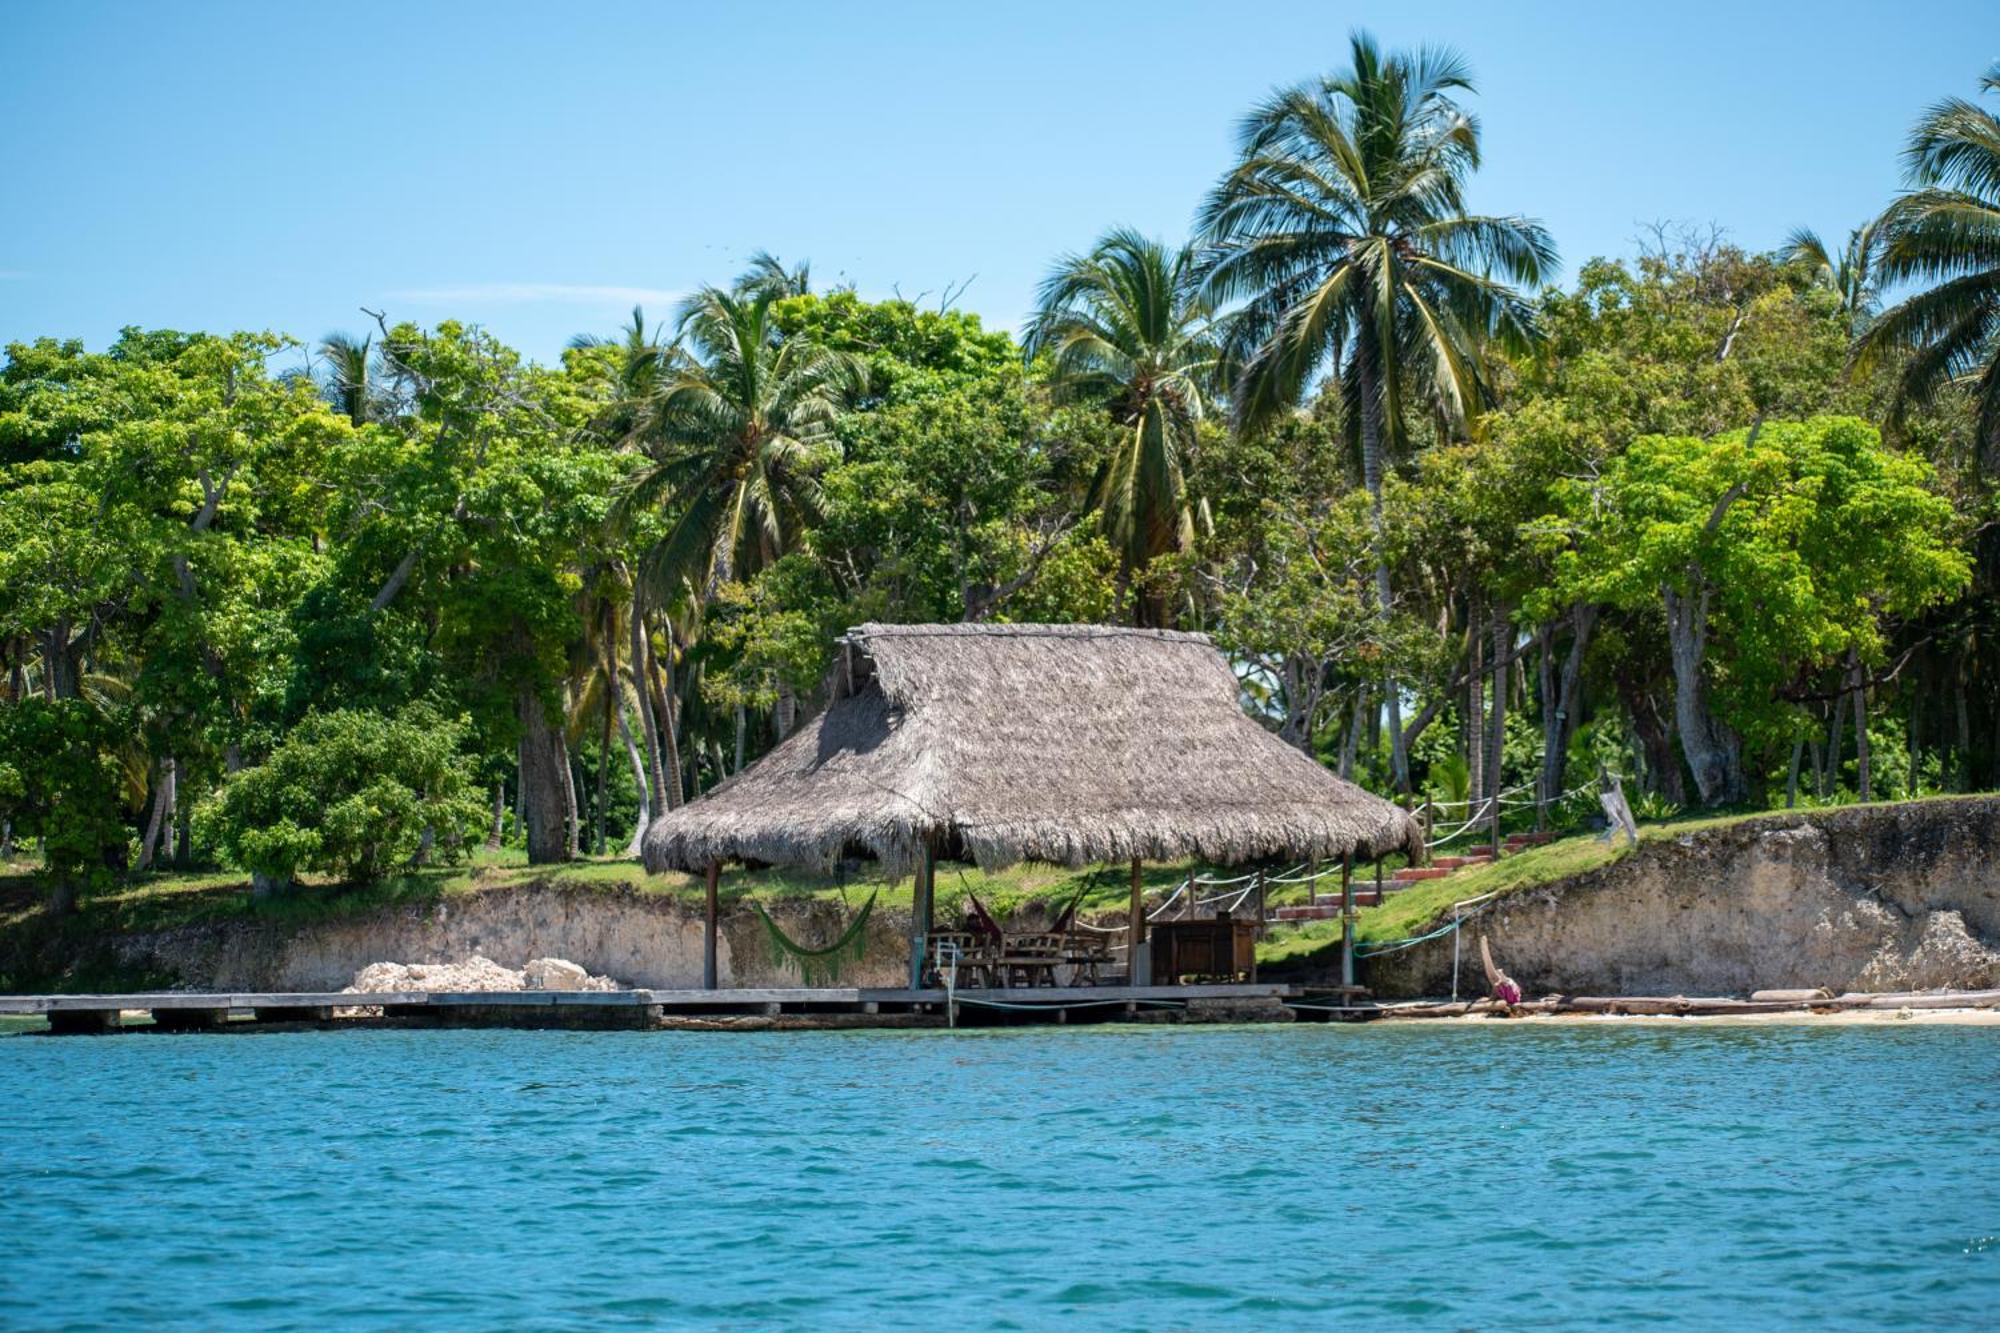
1411	911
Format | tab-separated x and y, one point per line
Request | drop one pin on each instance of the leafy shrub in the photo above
61	782
349	793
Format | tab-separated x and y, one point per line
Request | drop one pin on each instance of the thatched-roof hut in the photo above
1069	744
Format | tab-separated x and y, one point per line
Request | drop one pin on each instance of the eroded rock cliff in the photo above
1890	897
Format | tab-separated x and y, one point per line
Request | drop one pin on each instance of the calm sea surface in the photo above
1706	1177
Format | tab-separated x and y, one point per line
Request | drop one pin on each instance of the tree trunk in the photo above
59	669
1496	748
1662	775
426	843
1374	444
62	896
742	738
1964	720
496	836
263	885
1302	688
785	713
1792	781
1859	679
641	669
547	802
644	818
1351	740
1475	712
1916	737
669	705
573	787
1559	719
1714	751
612	690
1831	779
157	824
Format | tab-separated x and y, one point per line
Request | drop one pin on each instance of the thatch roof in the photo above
1069	744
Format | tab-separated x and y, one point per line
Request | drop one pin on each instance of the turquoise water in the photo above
1143	1178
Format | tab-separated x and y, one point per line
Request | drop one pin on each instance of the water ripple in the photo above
1128	1178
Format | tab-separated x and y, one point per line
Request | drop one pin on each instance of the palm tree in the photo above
1343	232
645	362
1126	324
741	430
766	274
349	383
1851	273
1945	231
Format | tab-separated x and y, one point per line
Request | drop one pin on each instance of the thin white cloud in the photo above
537	293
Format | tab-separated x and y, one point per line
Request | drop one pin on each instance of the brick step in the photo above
1324	911
1529	839
1411	874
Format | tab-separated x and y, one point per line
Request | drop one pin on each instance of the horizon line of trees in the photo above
1714	518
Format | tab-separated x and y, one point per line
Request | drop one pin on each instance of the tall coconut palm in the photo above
1851	272
645	361
1343	233
767	274
1126	324
742	429
349	384
1945	232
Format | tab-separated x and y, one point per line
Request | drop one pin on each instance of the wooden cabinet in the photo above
1222	949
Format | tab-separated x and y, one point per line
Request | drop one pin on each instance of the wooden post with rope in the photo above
921	891
708	929
1347	919
1135	931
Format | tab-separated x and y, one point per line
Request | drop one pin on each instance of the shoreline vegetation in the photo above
374	621
165	902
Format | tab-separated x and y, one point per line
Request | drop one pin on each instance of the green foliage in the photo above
350	793
1799	536
62	783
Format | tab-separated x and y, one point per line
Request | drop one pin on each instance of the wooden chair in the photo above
1085	952
1031	960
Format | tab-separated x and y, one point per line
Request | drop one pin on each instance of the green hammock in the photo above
821	967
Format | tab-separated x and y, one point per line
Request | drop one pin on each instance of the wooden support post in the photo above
1312	884
1541	802
1496	821
1378	881
1135	930
708	971
1347	919
921	890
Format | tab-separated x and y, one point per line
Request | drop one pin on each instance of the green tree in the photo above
743	431
1771	552
1343	233
1852	273
349	793
1126	325
1945	233
61	783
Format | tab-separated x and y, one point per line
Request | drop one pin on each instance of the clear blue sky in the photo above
538	168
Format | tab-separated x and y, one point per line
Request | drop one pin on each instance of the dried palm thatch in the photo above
1068	744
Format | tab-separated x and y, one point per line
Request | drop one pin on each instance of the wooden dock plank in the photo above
849	996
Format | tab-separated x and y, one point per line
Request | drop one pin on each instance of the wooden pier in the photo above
646	1009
